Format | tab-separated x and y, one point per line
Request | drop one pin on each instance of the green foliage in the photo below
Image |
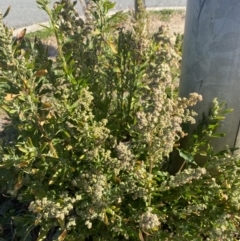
92	132
4	41
42	34
199	144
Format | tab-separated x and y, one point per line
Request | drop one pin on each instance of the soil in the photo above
175	23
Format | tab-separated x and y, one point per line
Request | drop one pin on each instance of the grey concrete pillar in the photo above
211	60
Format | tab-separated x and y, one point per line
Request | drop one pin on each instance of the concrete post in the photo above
211	60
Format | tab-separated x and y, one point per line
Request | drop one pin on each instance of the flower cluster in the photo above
125	156
149	221
161	118
51	209
161	123
69	19
222	230
184	177
94	184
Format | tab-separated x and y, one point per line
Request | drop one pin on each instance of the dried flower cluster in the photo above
48	209
149	221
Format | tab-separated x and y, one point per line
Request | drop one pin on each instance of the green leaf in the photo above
22	149
108	6
219	118
44	145
29	141
202	153
117	17
186	156
218	135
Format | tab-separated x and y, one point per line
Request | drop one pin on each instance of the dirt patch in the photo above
175	22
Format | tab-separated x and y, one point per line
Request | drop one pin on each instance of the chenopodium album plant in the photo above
92	133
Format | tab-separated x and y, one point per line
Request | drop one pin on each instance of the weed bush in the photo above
93	132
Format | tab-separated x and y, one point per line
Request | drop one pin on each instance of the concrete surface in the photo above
211	61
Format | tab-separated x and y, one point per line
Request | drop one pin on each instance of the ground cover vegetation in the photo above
87	150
